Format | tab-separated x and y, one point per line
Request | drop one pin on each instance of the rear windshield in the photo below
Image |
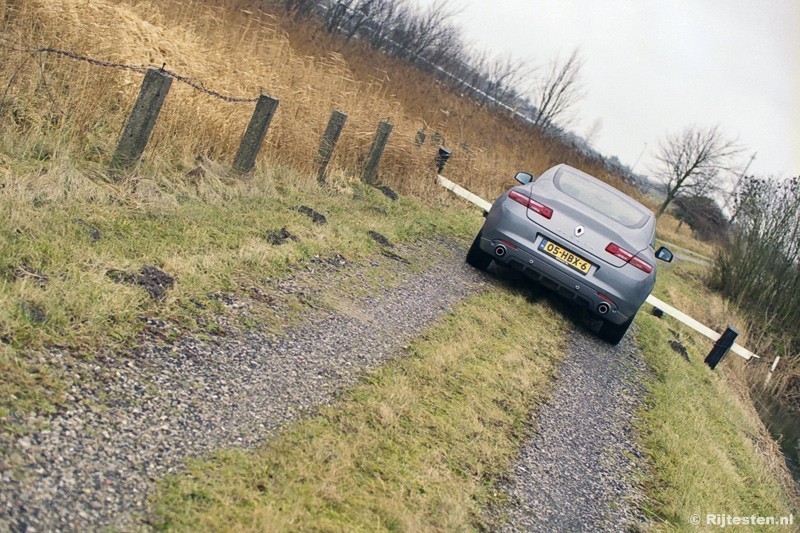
619	209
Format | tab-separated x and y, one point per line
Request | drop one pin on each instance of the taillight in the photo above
531	204
628	257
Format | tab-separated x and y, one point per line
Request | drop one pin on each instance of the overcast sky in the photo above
653	67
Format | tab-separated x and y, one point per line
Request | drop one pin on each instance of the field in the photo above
75	241
62	118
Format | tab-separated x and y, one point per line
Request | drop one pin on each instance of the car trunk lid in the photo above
592	238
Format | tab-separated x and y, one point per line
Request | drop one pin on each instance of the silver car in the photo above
578	236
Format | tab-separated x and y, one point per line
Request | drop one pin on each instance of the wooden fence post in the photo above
328	142
376	151
721	347
155	87
255	133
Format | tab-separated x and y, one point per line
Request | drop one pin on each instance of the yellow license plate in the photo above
565	256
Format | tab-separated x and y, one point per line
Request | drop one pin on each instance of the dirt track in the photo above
92	466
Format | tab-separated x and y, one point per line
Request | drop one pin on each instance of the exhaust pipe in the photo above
603	308
500	250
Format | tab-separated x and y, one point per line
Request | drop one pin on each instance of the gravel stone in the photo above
578	471
135	418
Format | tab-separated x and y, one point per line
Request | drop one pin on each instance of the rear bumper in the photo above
520	252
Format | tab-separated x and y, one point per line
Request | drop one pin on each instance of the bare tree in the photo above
384	21
369	14
349	16
691	162
300	8
504	74
337	14
419	33
558	91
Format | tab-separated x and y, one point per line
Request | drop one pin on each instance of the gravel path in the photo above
92	466
577	472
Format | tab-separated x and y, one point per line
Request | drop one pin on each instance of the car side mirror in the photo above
523	177
664	254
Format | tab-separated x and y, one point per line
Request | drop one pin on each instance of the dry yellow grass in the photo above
672	230
58	108
61	106
232	53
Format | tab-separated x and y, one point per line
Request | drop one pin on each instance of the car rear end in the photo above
582	238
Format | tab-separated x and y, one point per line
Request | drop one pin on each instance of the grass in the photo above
62	233
673	231
709	452
417	446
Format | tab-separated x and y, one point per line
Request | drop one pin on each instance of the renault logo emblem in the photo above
579	231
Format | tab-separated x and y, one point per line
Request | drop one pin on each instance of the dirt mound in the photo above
276	238
316	218
380	239
151	279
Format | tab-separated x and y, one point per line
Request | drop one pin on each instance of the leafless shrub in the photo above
761	269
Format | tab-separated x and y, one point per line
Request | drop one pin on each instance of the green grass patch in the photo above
702	440
68	238
686	277
417	446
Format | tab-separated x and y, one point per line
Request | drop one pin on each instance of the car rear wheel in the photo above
613	333
477	257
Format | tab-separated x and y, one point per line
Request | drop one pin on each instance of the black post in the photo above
721	347
442	157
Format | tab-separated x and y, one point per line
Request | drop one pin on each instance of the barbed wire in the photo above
141	69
